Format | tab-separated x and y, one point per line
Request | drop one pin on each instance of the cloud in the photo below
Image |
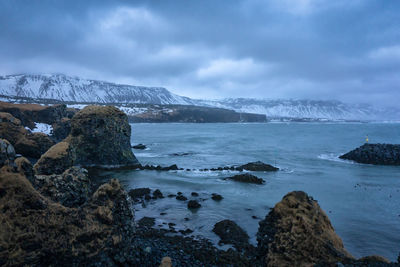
206	49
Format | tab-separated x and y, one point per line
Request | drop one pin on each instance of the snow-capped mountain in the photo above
313	109
66	88
73	89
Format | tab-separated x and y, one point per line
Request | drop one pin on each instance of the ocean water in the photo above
362	201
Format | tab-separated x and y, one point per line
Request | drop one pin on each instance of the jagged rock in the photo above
216	197
139	146
193	204
35	231
247	178
378	154
258	166
7	153
26	143
71	189
297	232
231	233
100	137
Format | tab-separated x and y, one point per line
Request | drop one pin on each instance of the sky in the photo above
301	49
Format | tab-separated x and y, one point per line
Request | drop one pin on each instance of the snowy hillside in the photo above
330	110
65	88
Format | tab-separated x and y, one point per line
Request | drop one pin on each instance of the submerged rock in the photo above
139	193
100	137
181	197
297	232
193	204
378	154
231	233
157	194
216	197
139	146
247	178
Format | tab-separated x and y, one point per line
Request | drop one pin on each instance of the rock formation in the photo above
246	178
258	166
378	154
36	231
297	232
28	144
231	233
100	137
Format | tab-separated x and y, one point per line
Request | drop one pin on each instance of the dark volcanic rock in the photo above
216	197
61	129
181	197
71	189
193	204
378	154
139	192
157	194
258	166
195	194
231	233
247	178
297	232
139	146
100	137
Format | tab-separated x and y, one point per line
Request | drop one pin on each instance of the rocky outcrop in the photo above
36	231
231	233
61	129
378	154
100	137
258	166
246	178
28	144
297	232
71	189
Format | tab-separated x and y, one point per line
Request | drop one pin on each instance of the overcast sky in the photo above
319	49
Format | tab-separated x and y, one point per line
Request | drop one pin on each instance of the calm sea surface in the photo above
362	201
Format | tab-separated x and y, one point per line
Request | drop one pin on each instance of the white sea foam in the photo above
334	157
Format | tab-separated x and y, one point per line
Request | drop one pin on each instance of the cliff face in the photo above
378	154
100	136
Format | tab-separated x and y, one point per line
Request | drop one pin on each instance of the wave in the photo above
335	158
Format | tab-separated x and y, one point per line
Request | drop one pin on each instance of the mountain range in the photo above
73	89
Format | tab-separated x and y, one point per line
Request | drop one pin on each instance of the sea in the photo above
362	201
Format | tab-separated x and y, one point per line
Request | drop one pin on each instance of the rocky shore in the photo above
54	213
377	154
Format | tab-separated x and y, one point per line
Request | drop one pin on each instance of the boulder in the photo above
181	197
247	178
297	232
193	204
258	166
138	193
216	197
71	188
157	194
378	154
100	137
231	233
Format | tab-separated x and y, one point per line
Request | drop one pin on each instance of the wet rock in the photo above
378	154
186	232
147	222
297	232
195	194
157	194
139	146
258	166
193	204
230	233
71	189
216	197
100	137
247	178
173	167
171	195
181	197
137	193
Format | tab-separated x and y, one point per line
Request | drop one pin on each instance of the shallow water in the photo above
362	201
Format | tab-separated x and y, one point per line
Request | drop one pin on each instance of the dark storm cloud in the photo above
346	50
